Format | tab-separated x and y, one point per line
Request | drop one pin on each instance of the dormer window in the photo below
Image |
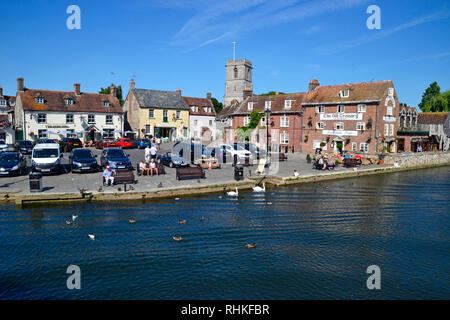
250	106
69	101
40	100
193	108
105	103
344	93
268	104
287	104
205	109
2	103
391	92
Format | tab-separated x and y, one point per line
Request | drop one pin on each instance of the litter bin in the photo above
238	172
35	182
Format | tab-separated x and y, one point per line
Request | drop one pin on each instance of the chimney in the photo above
76	89
248	92
19	84
113	91
1	91
208	95
313	84
277	93
132	84
179	91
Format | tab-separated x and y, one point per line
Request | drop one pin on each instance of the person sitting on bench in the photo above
108	176
153	167
143	167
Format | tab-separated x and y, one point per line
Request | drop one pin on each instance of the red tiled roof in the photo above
55	101
432	117
200	103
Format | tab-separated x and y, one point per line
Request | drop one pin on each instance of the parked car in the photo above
125	143
236	151
3	146
45	140
115	158
46	158
24	147
12	163
172	160
257	152
68	144
106	143
189	150
82	160
219	153
142	143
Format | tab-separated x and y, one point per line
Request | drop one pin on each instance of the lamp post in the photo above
267	111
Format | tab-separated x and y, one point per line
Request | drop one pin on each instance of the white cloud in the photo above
429	57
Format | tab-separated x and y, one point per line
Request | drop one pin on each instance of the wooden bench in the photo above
204	163
190	173
159	166
122	176
351	162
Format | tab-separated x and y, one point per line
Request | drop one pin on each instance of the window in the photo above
40	100
42	133
360	126
71	133
250	106
386	129
341	108
362	108
263	121
284	138
3	103
42	118
354	146
344	93
235	72
210	123
69	118
364	147
109	119
391	131
105	103
284	121
147	129
151	113
69	101
287	104
109	134
391	91
91	118
205	109
389	111
165	118
246	121
321	109
268	105
195	122
193	108
178	114
339	126
320	125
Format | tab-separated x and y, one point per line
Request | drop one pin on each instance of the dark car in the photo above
172	160
68	144
24	147
82	160
115	158
12	163
141	143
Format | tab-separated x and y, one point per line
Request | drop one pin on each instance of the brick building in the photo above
351	117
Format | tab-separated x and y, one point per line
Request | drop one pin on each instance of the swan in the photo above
92	237
233	193
131	221
259	189
74	217
181	221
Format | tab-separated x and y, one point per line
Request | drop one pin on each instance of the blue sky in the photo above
170	44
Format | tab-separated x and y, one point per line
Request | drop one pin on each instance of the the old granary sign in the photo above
341	133
341	116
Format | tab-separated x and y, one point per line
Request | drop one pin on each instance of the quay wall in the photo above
417	159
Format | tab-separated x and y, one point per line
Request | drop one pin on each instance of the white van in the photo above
46	158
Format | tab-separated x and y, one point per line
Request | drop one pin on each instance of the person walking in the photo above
147	154
153	151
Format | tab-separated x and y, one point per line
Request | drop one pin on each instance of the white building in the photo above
202	118
6	118
58	114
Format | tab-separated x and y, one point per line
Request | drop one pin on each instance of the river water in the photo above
313	241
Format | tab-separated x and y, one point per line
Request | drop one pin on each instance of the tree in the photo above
438	104
107	90
271	93
433	91
446	96
218	106
245	131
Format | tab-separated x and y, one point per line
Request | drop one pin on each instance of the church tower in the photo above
239	78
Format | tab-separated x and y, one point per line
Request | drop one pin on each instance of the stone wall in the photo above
417	159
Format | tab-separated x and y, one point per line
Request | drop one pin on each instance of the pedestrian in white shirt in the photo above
147	154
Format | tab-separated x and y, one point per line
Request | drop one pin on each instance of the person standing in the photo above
153	151
147	154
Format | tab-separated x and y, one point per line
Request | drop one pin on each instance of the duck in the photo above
233	193
74	216
250	245
259	189
177	238
131	221
92	237
160	185
68	222
181	221
202	218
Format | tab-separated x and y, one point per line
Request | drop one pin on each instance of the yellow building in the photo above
156	113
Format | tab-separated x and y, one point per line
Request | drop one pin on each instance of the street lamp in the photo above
267	111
